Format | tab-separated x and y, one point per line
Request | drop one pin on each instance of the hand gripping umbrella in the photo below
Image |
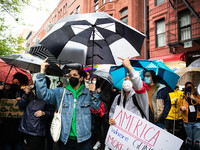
94	38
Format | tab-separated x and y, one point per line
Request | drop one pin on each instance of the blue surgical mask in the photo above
147	80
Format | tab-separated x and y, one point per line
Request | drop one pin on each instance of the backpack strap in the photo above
118	100
138	106
135	103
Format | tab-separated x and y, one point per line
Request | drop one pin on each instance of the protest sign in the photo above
132	132
9	108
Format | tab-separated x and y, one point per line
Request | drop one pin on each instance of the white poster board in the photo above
132	132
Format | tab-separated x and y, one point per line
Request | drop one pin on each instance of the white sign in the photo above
132	132
187	44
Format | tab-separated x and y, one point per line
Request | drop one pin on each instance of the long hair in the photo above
23	79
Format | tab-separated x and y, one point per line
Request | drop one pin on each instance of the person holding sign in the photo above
10	136
133	95
190	105
76	113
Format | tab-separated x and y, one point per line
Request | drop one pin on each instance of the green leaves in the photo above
10	43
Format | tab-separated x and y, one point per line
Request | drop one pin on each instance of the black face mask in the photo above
73	81
189	89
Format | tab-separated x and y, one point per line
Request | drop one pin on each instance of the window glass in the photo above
185	26
158	2
160	33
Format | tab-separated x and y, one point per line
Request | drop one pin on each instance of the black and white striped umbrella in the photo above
94	38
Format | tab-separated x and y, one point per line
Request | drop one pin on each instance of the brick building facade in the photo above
128	11
174	31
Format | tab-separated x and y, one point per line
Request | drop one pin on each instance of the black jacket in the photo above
30	124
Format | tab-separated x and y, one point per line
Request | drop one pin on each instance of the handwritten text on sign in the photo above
132	132
9	108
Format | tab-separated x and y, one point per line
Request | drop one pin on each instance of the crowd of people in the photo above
88	106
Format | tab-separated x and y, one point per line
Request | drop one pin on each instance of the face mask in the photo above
147	80
189	89
127	85
73	81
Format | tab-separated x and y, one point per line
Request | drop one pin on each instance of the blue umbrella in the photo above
165	74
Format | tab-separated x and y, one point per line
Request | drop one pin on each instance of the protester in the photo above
190	105
133	95
37	114
159	101
76	113
174	120
101	118
11	138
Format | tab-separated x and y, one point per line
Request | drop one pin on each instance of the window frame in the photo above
156	2
181	14
156	27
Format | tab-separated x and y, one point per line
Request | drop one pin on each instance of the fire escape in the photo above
190	29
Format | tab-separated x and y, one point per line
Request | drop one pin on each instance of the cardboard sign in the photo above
9	108
132	132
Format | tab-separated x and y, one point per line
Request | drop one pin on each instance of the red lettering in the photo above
143	130
120	117
131	123
147	132
155	137
139	123
126	117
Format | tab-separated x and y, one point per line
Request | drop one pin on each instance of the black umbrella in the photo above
31	63
94	38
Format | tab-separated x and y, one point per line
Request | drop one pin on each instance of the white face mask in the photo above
127	85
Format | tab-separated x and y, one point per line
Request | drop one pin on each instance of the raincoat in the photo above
175	106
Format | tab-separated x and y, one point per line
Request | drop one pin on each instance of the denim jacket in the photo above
83	113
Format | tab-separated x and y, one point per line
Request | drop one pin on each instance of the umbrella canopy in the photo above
104	75
94	38
31	63
188	69
195	63
7	71
189	73
164	73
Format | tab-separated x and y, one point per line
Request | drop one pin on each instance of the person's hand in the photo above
18	98
175	99
44	65
126	63
112	121
27	89
1	87
92	85
183	108
39	113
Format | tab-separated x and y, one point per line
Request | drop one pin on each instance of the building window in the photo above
158	2
96	8
78	10
103	2
110	0
124	15
160	33
124	11
184	25
125	20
